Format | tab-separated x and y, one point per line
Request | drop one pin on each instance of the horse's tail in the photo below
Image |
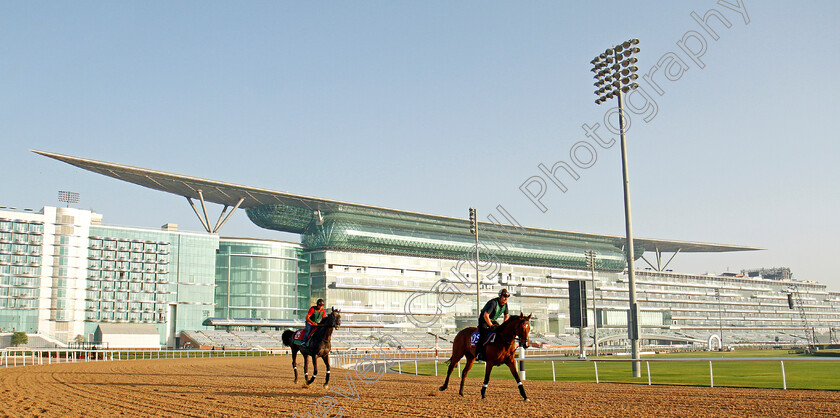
287	337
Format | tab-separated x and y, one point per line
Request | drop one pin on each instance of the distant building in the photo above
62	273
775	273
125	336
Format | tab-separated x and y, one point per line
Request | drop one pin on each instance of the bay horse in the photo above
318	346
500	351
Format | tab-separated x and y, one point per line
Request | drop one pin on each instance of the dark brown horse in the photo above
500	351
318	346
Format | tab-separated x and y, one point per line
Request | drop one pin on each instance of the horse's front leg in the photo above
305	369
512	366
488	368
314	370
294	363
327	364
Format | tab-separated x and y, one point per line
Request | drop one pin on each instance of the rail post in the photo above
648	370
553	375
596	372
711	375
784	379
436	368
415	367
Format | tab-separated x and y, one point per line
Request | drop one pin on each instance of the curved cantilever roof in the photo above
230	195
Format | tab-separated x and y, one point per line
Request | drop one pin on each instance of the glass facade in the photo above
21	257
259	279
150	276
374	230
128	277
194	266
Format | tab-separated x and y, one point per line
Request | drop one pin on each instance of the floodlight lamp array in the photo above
615	72
68	196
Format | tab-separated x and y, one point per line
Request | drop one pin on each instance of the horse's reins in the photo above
512	339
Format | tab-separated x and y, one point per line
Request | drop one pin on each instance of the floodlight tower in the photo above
590	262
474	231
615	72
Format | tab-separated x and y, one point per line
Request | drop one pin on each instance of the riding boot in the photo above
479	346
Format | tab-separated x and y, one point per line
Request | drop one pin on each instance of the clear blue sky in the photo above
436	107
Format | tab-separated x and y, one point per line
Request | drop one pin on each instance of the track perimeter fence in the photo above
406	361
414	362
12	357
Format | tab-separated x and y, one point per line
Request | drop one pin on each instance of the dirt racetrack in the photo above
262	386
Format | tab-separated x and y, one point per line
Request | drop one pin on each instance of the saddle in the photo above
300	337
491	337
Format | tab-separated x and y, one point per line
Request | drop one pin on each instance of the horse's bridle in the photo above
522	335
335	319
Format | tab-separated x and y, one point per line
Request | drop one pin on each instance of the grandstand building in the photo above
385	269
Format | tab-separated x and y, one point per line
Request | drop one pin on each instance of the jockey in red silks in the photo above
313	317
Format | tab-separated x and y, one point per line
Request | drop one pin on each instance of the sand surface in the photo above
262	386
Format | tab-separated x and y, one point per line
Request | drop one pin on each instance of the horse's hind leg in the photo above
294	362
453	361
327	363
470	360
